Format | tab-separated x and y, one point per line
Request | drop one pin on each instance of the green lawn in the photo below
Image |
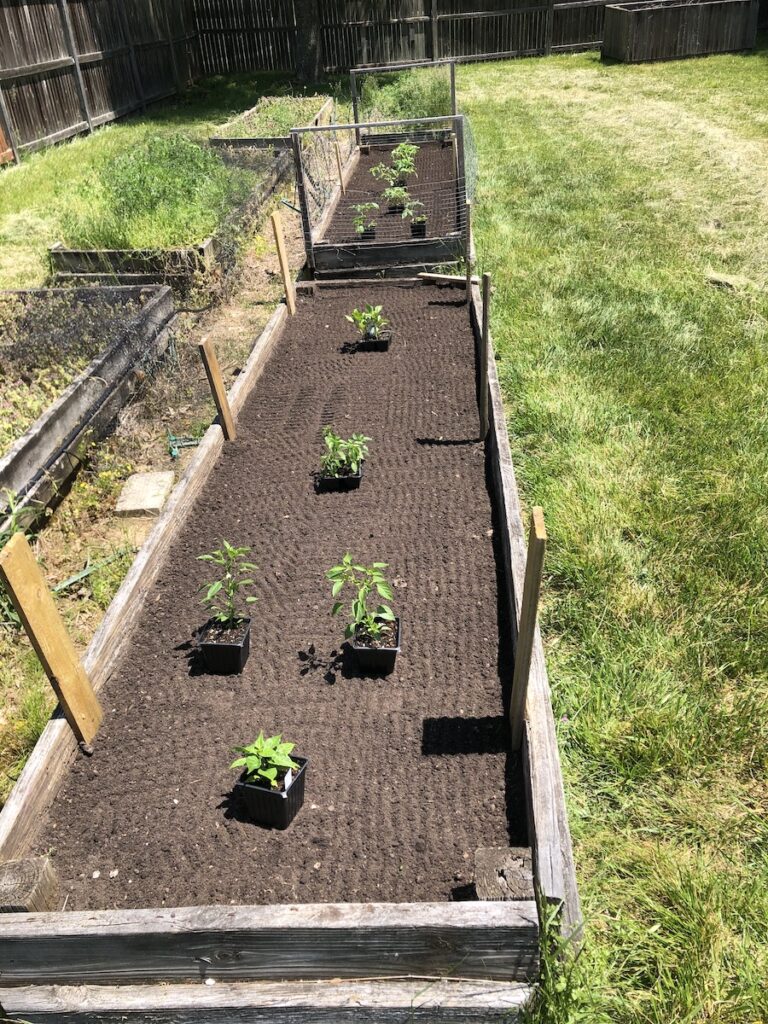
636	399
133	183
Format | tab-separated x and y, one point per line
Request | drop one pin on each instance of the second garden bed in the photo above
409	774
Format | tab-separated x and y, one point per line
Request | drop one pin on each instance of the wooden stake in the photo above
534	566
213	373
282	257
482	400
32	600
340	167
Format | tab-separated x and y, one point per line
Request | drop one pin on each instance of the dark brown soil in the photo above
435	187
408	773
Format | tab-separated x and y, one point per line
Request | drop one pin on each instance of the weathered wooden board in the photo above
29	886
548	831
39	781
297	1002
497	941
669	29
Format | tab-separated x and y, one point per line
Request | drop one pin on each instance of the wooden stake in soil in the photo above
484	348
28	886
534	565
213	373
24	582
282	256
340	167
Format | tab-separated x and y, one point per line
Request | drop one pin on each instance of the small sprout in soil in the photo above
265	760
364	219
222	595
404	159
383	172
343	458
397	197
411	209
365	581
369	321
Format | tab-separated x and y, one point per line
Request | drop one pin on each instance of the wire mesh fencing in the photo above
400	184
403	91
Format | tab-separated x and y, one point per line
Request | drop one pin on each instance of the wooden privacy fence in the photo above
67	66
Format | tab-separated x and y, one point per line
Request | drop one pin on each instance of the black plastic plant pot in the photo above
368	234
225	652
375	342
418	229
396	207
377	660
275	808
341	483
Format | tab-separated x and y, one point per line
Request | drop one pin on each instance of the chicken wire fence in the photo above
403	91
400	183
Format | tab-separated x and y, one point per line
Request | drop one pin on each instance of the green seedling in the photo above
222	596
265	760
366	582
343	458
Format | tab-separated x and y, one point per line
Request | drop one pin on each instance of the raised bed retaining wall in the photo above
668	29
278	143
44	458
400	962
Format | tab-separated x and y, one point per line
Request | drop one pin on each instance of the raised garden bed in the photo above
128	324
667	29
334	244
183	267
409	776
268	124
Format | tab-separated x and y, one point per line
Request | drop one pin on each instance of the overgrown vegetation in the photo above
45	342
398	95
274	116
635	388
168	192
40	195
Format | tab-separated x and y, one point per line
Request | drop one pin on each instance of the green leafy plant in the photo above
343	458
410	210
223	595
384	172
265	760
363	219
369	321
366	581
404	159
396	196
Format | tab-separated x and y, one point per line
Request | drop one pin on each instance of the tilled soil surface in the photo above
408	774
434	186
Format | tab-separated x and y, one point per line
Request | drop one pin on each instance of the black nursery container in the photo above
368	234
377	660
341	483
273	808
225	657
375	342
418	229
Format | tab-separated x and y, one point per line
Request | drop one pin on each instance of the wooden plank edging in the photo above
56	748
549	833
296	1002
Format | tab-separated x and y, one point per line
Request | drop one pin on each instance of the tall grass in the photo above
608	197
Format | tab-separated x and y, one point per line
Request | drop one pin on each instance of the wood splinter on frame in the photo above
32	599
526	633
213	373
282	258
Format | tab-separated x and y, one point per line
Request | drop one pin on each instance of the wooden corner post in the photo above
213	373
282	258
32	599
526	632
468	248
485	344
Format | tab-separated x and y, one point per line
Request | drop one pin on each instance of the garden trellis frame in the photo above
358	73
327	189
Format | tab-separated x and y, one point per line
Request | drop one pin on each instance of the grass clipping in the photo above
169	192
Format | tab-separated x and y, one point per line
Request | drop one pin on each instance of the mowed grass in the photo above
636	400
66	189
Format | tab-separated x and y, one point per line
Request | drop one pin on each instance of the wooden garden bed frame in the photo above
278	143
43	459
297	963
669	29
342	259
